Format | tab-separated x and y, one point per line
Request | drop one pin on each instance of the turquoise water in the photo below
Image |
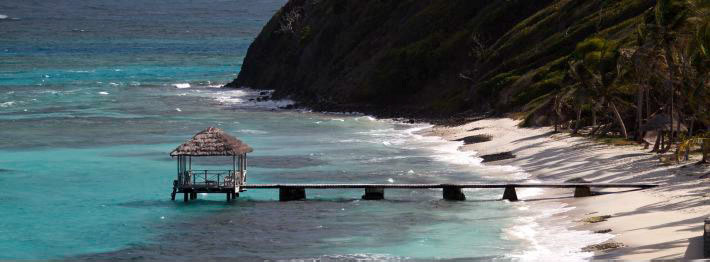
90	109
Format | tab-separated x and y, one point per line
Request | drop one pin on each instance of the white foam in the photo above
369	118
444	150
3	16
252	131
7	104
543	226
103	93
178	109
547	234
181	85
243	98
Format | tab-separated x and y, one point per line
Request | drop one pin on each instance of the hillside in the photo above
427	58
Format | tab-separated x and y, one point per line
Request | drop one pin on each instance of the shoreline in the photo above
659	223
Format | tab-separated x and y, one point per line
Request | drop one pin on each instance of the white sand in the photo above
660	223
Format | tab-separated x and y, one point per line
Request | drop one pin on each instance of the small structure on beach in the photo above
660	125
211	142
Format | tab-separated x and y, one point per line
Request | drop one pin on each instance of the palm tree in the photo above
669	16
597	69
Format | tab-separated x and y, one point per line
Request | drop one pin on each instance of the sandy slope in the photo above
660	223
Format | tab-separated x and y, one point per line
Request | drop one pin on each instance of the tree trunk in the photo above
671	86
706	150
648	103
692	125
619	120
639	113
579	120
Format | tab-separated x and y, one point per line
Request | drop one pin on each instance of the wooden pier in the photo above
289	192
214	142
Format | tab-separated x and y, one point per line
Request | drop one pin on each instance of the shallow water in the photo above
95	94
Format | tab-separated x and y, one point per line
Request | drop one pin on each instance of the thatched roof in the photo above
662	122
212	142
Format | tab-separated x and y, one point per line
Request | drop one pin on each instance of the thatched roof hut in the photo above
212	142
663	122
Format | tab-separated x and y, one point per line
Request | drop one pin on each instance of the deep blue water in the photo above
90	109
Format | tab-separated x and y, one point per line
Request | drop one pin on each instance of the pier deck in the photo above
288	192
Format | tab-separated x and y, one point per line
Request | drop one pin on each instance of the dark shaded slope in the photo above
425	58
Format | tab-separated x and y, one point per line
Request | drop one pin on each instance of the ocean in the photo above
94	94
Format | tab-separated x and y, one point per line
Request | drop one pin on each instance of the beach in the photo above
659	223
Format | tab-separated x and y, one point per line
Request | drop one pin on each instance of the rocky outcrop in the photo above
425	58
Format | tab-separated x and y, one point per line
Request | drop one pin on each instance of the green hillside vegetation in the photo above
599	67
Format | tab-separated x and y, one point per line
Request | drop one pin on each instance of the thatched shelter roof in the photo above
662	122
212	142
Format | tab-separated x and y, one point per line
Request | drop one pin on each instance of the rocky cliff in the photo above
428	58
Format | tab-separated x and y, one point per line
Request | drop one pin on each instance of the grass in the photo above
596	219
615	141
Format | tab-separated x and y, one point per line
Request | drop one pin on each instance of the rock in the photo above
603	246
596	219
475	139
603	231
497	157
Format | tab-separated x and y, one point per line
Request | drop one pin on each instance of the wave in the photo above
252	131
3	17
181	85
543	226
548	235
7	104
244	98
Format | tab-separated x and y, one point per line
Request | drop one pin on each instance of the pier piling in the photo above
292	193
375	193
582	191
510	194
454	193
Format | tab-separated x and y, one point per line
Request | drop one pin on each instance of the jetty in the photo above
289	192
214	142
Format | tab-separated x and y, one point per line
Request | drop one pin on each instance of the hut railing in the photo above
210	178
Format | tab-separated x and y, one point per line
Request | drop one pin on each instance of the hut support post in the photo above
229	197
582	191
510	194
292	193
186	198
375	193
454	193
